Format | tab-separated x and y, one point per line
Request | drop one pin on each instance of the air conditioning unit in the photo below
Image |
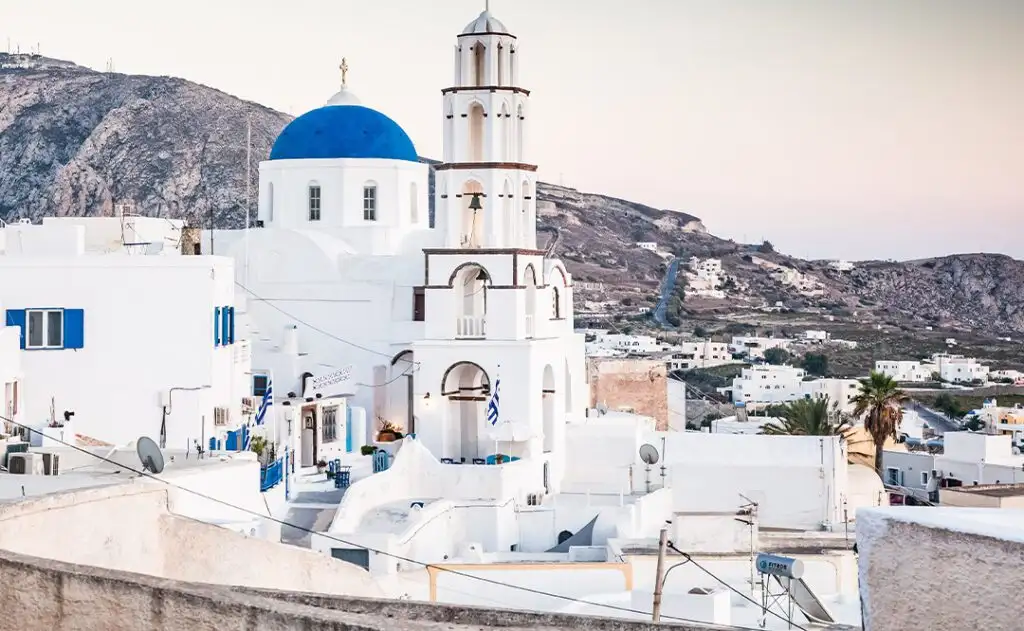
221	416
248	405
25	464
51	464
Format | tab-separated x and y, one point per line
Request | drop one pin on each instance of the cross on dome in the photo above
344	96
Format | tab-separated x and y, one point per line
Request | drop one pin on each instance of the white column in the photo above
457	69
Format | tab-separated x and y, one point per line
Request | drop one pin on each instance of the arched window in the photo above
370	202
506	134
502	60
476	133
479	64
414	211
314	202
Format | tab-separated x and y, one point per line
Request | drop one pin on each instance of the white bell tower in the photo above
486	188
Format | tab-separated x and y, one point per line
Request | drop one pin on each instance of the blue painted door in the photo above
348	429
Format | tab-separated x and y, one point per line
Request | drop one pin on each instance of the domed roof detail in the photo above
343	131
344	96
485	23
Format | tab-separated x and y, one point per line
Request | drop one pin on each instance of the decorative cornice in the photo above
464	251
487	33
469	166
487	88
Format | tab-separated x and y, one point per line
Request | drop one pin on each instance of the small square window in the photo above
45	329
259	385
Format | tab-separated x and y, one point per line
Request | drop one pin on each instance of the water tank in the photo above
785	567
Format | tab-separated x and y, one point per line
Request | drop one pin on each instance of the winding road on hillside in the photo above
938	422
667	285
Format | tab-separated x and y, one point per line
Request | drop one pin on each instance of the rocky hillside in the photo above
76	142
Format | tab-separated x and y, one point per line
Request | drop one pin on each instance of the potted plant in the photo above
367	450
321	465
389	432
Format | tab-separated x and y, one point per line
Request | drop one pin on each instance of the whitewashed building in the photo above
754	346
767	385
623	343
906	371
960	369
430	318
122	332
699	354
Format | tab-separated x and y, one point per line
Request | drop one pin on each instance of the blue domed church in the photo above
346	275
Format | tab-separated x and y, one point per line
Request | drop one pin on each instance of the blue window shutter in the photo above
216	326
225	325
16	317
231	329
74	328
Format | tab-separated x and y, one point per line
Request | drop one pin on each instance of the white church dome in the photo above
485	23
344	96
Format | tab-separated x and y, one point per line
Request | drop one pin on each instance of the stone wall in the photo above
637	385
940	569
45	595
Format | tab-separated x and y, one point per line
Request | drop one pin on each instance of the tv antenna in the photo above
649	455
150	455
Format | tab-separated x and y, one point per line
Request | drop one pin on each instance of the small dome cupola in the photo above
344	96
486	23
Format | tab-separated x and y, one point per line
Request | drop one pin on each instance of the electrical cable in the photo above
530	590
689	559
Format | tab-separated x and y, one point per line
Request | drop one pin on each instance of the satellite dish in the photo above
150	455
648	453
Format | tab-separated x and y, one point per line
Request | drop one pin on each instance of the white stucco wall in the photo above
129	527
148	327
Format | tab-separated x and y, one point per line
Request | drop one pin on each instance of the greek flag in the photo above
492	407
268	400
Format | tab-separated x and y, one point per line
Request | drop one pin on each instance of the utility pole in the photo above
659	579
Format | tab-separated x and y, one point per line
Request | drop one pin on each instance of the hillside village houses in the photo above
346	318
765	384
949	368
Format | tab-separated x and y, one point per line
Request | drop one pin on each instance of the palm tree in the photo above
808	417
880	403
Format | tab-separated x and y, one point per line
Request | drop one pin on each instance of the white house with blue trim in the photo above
132	340
424	311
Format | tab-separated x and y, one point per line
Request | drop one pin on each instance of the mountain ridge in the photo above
76	141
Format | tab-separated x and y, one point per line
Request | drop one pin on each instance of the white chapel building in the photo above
429	317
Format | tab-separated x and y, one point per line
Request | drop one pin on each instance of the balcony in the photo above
470	327
529	327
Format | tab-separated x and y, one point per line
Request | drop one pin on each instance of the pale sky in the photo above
867	129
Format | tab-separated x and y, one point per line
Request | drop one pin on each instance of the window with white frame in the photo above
314	202
892	476
45	328
924	478
329	424
370	202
